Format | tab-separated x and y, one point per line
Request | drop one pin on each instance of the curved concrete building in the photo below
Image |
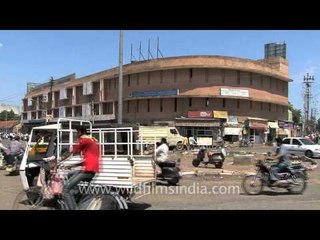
199	94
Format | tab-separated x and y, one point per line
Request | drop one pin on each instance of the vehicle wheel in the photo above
252	185
309	154
29	199
195	162
150	147
173	181
300	184
180	146
218	165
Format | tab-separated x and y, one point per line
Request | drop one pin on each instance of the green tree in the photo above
296	114
6	115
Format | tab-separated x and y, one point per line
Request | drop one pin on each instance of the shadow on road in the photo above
138	206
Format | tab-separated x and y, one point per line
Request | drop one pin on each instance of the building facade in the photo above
202	95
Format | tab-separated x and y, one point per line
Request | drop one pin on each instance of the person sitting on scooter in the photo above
283	162
162	151
15	149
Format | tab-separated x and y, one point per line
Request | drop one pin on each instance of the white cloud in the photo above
1	45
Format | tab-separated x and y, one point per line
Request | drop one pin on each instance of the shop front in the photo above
257	129
202	125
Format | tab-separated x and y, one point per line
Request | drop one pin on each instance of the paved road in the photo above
200	193
226	194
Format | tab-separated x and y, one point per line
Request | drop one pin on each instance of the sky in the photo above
35	56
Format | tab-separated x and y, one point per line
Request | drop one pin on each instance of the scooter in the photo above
170	172
215	156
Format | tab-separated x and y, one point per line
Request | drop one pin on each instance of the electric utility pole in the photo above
307	80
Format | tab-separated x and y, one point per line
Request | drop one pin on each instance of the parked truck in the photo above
155	133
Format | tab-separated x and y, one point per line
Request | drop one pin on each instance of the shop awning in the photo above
258	126
273	125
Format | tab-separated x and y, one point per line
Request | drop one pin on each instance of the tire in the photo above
30	199
300	180
252	185
150	147
309	154
195	162
180	146
173	181
218	165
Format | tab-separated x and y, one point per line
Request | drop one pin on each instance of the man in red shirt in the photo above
88	146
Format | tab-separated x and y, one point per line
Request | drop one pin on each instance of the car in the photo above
301	146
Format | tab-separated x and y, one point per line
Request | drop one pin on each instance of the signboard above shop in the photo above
234	92
199	114
155	93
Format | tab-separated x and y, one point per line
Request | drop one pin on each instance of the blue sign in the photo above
155	93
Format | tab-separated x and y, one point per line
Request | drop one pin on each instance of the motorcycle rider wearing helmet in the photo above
283	162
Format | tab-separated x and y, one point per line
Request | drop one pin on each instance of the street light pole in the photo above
120	107
6	122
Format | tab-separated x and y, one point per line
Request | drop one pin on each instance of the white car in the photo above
301	146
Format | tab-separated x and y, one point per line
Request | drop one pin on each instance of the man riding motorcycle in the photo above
15	149
283	158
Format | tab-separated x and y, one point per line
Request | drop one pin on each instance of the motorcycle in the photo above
294	179
246	143
13	168
215	156
170	172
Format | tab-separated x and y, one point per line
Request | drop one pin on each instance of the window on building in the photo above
261	81
148	78
128	106
238	103
251	105
115	83
223	102
238	77
269	107
261	105
175	104
277	108
129	79
110	84
283	109
190	75
270	83
223	75
161	106
206	75
161	76
137	105
283	86
148	105
207	102
250	79
107	108
175	75
190	102
96	109
138	79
